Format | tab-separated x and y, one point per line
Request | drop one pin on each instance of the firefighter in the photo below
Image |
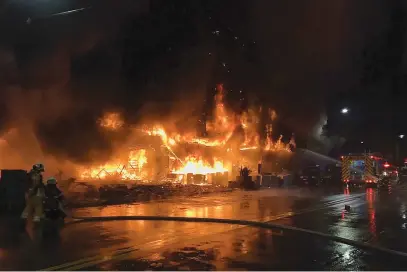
246	180
54	197
35	194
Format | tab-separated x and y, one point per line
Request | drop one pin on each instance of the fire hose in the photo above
263	225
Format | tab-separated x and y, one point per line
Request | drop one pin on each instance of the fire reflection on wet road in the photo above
176	245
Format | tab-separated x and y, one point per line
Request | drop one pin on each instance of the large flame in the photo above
278	145
250	123
223	123
188	151
131	169
193	165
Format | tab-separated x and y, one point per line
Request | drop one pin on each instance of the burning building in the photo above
163	153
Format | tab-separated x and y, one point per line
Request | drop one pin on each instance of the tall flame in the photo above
194	159
277	145
222	127
250	122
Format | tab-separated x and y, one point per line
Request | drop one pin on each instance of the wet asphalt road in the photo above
376	217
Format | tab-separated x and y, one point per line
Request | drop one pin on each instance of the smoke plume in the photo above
49	106
60	75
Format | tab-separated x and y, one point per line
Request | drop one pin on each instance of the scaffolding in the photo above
123	170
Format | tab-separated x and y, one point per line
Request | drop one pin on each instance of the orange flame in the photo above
250	121
223	125
195	165
278	145
220	131
272	114
159	131
132	170
111	121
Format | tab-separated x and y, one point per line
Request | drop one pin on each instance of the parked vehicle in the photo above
309	176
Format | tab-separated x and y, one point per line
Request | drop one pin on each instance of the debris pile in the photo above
85	194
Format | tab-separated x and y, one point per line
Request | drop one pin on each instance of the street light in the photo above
344	110
401	136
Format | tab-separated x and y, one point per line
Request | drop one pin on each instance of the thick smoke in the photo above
61	74
310	50
52	92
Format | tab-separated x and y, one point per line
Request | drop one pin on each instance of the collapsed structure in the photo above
155	152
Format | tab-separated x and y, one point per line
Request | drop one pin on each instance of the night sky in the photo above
162	59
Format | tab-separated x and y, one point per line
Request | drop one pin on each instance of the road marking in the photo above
85	260
121	253
124	255
116	258
106	257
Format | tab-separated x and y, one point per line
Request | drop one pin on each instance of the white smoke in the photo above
319	142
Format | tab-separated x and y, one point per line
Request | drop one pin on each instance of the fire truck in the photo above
365	169
403	173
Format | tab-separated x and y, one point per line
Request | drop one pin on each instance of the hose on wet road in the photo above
263	225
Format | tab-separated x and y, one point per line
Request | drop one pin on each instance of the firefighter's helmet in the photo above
39	167
52	180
